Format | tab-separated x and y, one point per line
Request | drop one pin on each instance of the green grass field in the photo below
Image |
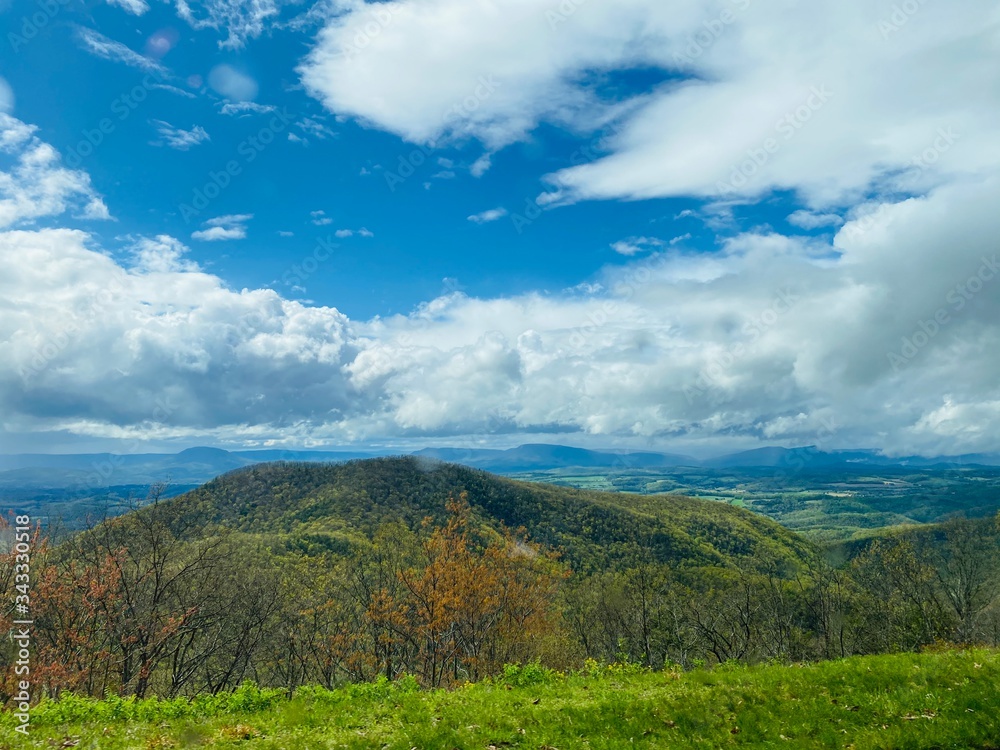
940	700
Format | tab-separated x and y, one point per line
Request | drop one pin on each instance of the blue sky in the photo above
424	242
697	225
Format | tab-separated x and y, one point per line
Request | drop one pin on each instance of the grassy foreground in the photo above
941	700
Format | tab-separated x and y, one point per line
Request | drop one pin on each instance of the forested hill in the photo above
335	505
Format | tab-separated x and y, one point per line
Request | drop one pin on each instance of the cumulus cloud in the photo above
178	351
36	184
177	138
101	46
229	227
320	219
880	338
883	332
753	98
160	254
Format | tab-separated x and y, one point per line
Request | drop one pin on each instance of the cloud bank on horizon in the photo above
878	325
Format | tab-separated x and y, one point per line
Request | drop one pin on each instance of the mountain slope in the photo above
591	529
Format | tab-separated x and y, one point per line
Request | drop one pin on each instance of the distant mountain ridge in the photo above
317	506
201	464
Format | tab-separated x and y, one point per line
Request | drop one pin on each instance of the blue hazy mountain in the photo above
196	465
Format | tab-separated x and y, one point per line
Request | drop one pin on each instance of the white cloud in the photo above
173	90
319	12
161	254
810	220
37	184
215	234
637	245
242	20
135	7
101	46
177	350
314	127
245	108
485	217
230	227
481	165
177	138
229	219
497	74
886	333
770	102
232	83
345	233
771	339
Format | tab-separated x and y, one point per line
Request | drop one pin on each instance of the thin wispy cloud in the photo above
173	90
237	109
636	245
178	138
135	7
241	20
101	46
